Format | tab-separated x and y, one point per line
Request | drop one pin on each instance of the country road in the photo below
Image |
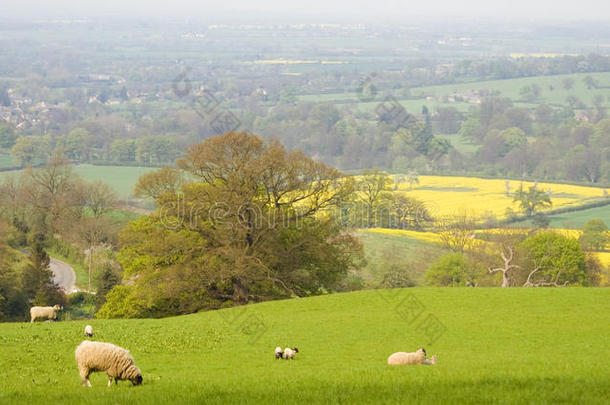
63	274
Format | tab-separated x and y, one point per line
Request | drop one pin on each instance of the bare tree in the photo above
458	233
507	267
542	283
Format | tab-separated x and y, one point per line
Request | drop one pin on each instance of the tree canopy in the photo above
253	222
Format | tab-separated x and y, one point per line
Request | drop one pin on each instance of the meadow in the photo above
552	92
121	178
576	219
6	161
542	346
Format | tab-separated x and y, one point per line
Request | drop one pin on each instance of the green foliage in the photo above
452	269
7	135
595	234
561	259
121	302
13	303
37	277
28	149
80	305
251	232
532	199
396	277
540	220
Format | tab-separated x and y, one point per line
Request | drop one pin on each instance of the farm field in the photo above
493	346
506	88
6	161
441	195
577	219
121	178
450	196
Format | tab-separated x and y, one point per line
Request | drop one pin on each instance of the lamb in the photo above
88	331
289	353
278	353
114	360
402	358
44	312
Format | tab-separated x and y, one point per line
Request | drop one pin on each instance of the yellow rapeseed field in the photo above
604	258
449	196
423	236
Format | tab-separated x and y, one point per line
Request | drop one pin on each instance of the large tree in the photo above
532	199
253	222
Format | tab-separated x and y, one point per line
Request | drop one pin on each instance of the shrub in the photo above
451	269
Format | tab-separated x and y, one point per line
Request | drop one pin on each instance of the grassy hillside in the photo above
577	219
410	251
499	345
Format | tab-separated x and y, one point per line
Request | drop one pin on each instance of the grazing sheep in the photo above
419	357
114	360
289	353
44	312
278	353
88	331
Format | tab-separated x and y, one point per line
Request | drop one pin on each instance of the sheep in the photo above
278	353
114	360
419	357
289	353
44	312
88	331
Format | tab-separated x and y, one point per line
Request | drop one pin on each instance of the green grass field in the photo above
576	219
542	346
507	88
382	249
121	178
6	161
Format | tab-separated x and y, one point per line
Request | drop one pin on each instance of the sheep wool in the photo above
88	331
289	353
44	312
402	358
114	360
278	353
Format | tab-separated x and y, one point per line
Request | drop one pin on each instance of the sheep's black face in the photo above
296	350
424	350
137	380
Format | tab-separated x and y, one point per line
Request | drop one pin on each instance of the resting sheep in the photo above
44	312
289	353
114	360
278	353
402	358
88	331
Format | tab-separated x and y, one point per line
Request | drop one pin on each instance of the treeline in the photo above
52	208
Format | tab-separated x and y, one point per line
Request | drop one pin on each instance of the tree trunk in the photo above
90	265
239	291
505	282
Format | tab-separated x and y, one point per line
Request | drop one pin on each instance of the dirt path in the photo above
64	275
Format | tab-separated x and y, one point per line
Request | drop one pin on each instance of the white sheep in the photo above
402	358
44	312
114	360
278	353
88	331
289	353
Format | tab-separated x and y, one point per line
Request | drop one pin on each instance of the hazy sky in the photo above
325	9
